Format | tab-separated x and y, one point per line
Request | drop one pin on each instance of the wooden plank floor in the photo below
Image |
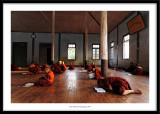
75	87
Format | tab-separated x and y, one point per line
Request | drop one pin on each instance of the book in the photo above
92	75
99	90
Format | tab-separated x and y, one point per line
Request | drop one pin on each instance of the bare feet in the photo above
137	92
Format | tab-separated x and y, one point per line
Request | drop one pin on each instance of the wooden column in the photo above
104	42
86	38
53	34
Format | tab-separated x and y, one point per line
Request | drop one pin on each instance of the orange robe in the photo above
44	66
71	67
63	67
56	68
47	80
97	73
119	84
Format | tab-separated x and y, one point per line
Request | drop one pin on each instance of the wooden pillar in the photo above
104	42
53	34
86	38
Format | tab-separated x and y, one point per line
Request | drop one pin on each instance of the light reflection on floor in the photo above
71	80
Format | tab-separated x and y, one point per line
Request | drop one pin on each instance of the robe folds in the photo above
97	73
49	77
71	67
63	67
119	84
56	68
34	70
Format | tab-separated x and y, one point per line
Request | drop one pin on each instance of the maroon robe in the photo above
71	67
119	84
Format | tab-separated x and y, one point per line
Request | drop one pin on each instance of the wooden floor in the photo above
75	87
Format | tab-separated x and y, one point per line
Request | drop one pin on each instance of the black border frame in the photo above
157	2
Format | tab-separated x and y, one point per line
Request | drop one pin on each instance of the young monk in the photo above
33	69
63	66
56	68
71	66
117	85
46	79
93	65
88	67
138	70
44	66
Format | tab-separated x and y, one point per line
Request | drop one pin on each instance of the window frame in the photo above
123	46
67	51
95	48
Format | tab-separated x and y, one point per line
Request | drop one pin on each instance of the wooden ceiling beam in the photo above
94	18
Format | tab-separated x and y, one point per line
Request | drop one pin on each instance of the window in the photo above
71	51
95	51
126	47
112	50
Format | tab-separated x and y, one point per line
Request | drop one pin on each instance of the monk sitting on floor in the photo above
97	73
33	69
71	66
88	67
63	66
56	68
14	67
138	70
46	79
93	65
117	85
44	66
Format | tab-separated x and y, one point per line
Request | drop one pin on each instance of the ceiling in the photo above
65	21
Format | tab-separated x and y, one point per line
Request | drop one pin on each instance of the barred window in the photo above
95	51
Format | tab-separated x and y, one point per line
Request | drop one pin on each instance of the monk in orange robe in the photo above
33	69
138	70
71	66
63	66
117	85
46	79
56	68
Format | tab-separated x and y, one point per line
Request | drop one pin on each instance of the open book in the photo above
99	90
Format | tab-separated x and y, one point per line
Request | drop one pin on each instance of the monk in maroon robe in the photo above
33	69
56	68
88	67
97	73
117	85
63	66
138	70
71	66
93	65
44	66
46	79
